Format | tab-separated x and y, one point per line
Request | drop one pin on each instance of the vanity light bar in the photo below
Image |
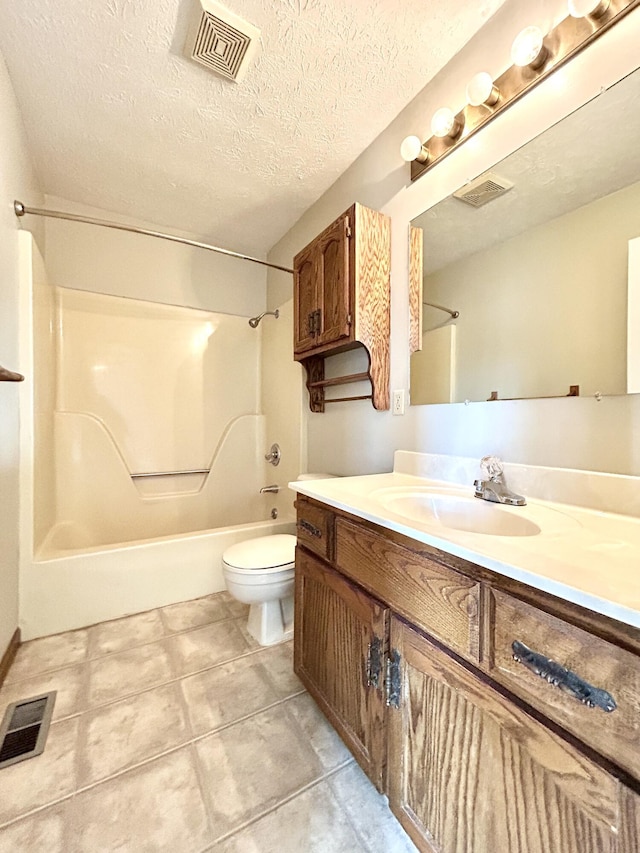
535	55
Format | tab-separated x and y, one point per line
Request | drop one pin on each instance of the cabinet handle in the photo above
374	662
392	681
311	320
317	320
563	678
310	528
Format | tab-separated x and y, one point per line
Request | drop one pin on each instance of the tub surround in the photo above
587	556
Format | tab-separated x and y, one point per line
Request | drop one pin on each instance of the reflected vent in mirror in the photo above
483	190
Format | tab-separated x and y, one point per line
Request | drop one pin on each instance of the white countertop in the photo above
585	556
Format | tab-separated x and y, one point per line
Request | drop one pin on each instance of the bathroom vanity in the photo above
495	701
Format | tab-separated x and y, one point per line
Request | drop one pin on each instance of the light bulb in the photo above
481	90
588	8
444	123
412	149
528	48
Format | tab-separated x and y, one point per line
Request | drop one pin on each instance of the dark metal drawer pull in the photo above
393	679
374	662
563	678
310	528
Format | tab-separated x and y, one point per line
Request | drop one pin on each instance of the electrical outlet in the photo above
398	402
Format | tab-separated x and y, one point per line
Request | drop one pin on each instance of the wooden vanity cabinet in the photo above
609	673
339	654
470	772
477	753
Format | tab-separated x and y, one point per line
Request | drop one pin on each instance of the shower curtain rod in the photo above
454	314
20	210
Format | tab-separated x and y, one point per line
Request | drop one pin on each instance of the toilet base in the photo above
271	621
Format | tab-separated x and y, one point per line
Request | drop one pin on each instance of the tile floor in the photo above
174	731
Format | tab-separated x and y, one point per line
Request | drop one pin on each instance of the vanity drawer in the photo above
437	599
589	668
315	528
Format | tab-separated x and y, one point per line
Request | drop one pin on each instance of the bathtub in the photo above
65	588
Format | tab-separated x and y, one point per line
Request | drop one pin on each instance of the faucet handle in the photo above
491	467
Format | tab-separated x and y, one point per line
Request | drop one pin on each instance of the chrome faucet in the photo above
493	487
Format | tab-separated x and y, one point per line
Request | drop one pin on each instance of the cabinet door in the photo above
339	651
333	282
305	299
470	772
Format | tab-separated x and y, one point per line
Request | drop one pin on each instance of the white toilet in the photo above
260	572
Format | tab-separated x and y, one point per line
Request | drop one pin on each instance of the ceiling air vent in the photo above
221	41
483	189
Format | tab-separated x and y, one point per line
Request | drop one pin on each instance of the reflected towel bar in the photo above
574	391
20	209
170	473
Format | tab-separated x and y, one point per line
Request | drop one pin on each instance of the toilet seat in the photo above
266	554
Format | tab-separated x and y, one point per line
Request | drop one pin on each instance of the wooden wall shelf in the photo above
316	383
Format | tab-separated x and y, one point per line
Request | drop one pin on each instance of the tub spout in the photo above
272	489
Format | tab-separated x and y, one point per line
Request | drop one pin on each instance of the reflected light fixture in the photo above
412	149
480	90
528	48
588	8
445	125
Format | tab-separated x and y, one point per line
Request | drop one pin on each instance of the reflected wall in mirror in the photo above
543	276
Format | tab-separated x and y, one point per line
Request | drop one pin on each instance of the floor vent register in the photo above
24	728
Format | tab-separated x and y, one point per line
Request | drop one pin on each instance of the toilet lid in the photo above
265	552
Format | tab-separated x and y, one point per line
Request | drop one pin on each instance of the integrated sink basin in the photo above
429	507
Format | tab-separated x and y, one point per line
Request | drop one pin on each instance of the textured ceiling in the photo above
589	154
117	118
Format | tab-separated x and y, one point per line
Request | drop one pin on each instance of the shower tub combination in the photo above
142	452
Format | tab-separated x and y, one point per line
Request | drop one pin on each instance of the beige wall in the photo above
581	433
87	257
17	180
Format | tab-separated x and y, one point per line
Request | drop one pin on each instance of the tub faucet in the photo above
493	487
274	489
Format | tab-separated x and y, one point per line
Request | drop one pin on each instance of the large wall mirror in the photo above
545	277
